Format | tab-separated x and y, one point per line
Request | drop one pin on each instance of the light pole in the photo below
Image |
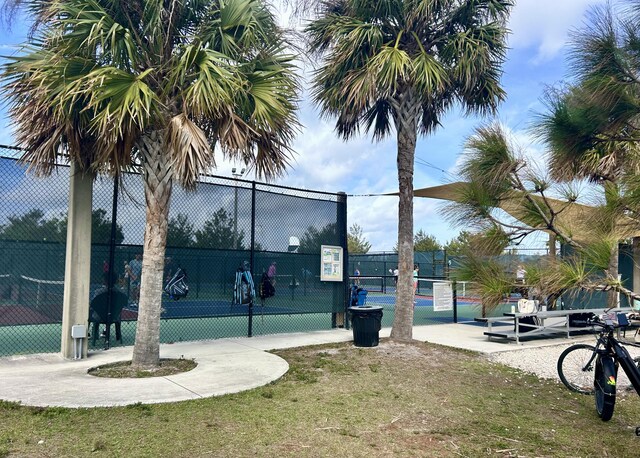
235	206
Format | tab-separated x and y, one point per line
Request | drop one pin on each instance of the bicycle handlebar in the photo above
607	323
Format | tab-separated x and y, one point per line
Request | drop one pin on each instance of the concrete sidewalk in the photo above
224	366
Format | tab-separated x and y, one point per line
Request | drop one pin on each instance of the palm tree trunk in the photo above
157	190
406	107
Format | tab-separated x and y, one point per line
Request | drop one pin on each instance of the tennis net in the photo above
463	289
37	293
27	300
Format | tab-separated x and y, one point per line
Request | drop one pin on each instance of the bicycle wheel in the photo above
605	387
575	369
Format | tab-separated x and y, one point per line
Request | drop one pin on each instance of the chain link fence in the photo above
381	266
212	231
375	272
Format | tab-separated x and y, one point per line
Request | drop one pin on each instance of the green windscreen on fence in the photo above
211	232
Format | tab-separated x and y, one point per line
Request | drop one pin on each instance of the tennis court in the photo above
381	291
31	313
31	309
423	311
207	308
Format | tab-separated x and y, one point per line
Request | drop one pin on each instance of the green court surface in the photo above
207	313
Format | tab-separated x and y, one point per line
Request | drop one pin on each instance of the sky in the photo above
540	30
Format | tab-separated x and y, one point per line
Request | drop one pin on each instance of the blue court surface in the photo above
200	309
421	301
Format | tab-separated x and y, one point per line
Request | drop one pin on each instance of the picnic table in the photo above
548	323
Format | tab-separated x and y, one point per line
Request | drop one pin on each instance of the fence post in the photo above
455	301
110	278
252	253
446	270
253	226
384	278
341	224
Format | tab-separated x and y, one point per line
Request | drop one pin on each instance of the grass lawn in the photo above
337	400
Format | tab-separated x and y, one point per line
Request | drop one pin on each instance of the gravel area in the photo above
542	361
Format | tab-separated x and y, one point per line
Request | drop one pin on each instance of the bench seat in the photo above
550	324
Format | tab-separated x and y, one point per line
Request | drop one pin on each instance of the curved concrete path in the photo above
224	366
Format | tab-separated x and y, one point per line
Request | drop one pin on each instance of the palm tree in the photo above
497	177
592	127
404	63
154	86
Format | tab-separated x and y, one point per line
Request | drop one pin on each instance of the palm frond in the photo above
120	101
391	66
92	30
429	75
378	119
271	92
189	149
104	72
443	51
208	80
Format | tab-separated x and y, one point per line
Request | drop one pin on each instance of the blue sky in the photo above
537	58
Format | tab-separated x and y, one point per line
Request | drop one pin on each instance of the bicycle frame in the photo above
621	355
608	345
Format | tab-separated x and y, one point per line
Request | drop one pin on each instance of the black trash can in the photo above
366	323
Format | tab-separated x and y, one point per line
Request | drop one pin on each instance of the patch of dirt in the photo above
328	351
401	350
124	369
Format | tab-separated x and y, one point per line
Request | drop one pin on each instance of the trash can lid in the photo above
366	308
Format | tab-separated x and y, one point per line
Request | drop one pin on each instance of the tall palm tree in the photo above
403	64
592	127
155	86
498	180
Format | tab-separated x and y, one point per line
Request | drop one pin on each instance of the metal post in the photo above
454	287
252	253
341	220
112	254
236	175
384	278
253	225
235	217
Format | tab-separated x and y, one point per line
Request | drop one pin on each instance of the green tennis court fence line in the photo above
225	222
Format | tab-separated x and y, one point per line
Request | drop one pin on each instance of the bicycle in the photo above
589	369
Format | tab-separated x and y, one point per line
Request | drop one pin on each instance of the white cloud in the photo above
378	216
545	24
360	166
